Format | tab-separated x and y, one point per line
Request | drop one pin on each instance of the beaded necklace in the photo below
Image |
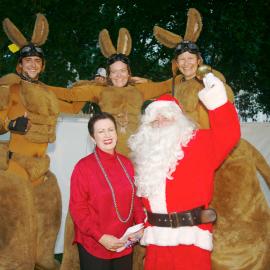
121	219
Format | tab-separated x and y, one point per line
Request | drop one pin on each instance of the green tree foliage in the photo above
234	40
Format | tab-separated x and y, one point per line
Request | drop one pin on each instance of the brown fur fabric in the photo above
166	37
71	255
36	98
27	233
39	36
138	257
41	133
124	43
3	156
29	212
43	107
9	79
193	30
35	167
41	30
106	46
4	94
242	231
17	227
5	81
51	203
13	33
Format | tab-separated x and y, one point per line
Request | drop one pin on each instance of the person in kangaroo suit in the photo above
242	230
30	202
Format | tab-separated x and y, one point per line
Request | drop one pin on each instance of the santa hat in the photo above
164	101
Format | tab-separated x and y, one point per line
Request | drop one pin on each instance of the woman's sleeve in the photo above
81	210
139	213
152	90
87	92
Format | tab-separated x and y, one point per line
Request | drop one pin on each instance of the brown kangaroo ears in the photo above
194	25
167	38
39	36
193	30
124	43
41	30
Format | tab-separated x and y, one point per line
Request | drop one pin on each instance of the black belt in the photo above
191	217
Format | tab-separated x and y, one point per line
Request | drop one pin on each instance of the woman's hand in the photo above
133	238
136	236
110	242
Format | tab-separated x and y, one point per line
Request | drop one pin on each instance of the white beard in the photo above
157	151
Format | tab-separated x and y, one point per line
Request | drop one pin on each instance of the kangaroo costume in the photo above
123	102
242	231
30	202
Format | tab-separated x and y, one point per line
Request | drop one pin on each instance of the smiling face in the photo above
105	135
188	64
31	66
119	74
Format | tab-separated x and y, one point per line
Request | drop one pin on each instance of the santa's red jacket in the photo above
193	180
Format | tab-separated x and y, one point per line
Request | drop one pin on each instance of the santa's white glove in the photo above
214	94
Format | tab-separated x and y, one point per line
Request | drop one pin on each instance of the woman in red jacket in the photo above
103	202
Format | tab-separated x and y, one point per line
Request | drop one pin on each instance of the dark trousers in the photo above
90	262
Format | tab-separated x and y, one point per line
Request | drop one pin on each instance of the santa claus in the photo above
175	164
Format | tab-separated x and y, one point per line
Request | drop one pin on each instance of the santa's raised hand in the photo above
213	95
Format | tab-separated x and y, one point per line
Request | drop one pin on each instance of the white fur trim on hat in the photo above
162	104
189	235
214	94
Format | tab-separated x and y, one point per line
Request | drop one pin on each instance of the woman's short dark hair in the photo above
97	117
118	57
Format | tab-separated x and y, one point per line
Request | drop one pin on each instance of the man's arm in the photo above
4	104
70	107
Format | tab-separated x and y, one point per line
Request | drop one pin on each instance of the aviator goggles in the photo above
187	46
31	50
